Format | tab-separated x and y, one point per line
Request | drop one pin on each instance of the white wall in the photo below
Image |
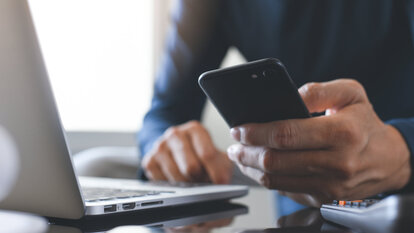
81	140
100	58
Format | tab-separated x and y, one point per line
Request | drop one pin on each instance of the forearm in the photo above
196	43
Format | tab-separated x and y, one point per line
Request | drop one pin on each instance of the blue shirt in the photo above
371	41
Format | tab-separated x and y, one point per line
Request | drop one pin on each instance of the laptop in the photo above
47	183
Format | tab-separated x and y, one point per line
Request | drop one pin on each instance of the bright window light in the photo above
99	56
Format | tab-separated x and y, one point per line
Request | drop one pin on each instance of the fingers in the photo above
184	155
152	169
336	94
328	157
283	162
290	134
169	168
187	153
326	131
214	162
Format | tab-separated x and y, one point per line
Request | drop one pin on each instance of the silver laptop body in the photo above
47	184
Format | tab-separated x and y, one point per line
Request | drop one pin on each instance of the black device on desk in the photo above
391	214
255	92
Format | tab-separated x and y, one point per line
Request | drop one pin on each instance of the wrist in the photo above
401	150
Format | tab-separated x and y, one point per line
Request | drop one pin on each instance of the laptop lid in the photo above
47	183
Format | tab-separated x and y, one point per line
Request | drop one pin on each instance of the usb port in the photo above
109	208
128	206
152	203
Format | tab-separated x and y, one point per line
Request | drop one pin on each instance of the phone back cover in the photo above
241	99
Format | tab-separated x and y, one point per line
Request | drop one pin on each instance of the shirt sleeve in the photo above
406	128
195	44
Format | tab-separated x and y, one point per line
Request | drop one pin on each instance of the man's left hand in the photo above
348	153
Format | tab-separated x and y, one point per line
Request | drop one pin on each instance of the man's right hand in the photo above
187	153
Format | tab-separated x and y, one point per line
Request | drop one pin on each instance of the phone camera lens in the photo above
254	76
269	73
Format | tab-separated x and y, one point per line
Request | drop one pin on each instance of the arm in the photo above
195	44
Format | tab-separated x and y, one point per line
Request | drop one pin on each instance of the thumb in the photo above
333	95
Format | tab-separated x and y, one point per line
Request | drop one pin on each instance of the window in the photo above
99	56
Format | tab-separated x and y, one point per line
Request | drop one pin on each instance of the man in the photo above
361	147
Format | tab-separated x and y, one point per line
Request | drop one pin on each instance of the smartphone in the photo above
255	92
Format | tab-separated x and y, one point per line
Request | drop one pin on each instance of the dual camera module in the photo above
264	74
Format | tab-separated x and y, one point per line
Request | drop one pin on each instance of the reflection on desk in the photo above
251	216
196	217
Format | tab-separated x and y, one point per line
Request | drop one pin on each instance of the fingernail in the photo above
235	133
232	152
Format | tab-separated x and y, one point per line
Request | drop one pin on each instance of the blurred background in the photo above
102	58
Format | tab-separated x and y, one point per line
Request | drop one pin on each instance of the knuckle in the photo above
159	147
347	169
284	135
354	84
172	132
358	87
312	90
194	124
348	133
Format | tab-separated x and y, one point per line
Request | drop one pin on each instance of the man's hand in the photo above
186	153
349	153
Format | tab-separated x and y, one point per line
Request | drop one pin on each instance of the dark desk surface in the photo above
250	214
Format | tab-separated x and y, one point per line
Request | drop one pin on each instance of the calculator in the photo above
372	215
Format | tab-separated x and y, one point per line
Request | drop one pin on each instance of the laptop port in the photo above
109	208
152	203
128	206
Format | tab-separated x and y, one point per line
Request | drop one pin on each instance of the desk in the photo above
244	215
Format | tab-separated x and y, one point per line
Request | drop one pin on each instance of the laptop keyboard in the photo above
91	194
103	194
177	184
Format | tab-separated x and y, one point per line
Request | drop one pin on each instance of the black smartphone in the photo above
255	92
